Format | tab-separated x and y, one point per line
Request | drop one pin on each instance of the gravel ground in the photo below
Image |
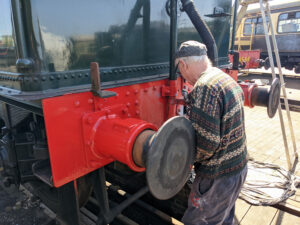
17	208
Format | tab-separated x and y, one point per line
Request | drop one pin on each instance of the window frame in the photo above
256	19
285	20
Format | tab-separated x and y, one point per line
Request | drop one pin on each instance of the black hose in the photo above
203	30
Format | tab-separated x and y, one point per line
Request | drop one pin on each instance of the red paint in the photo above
247	89
249	58
85	132
232	73
68	120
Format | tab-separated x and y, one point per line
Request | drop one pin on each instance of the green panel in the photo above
72	33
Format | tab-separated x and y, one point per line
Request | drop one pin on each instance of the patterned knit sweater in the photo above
215	109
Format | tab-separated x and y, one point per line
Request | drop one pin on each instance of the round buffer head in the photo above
170	157
274	98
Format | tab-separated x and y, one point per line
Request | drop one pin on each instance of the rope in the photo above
268	184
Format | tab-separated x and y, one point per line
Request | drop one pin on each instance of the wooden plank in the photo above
289	206
259	215
241	209
283	218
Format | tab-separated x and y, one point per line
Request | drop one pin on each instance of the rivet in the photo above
104	72
51	77
127	93
110	72
99	107
77	103
35	79
134	69
130	70
43	78
86	74
80	75
136	102
58	77
107	112
129	115
124	111
125	70
73	75
145	90
136	91
154	87
88	143
90	101
120	71
137	112
66	76
128	104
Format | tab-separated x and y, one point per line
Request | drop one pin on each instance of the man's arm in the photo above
205	108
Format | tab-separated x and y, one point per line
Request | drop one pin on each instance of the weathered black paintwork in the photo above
51	45
61	38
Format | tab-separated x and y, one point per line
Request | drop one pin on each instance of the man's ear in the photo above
182	65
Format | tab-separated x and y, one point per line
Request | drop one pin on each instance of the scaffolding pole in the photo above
281	80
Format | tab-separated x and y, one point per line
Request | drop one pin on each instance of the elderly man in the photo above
215	108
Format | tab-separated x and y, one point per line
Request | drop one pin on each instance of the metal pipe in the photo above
173	41
203	30
274	76
233	25
19	29
118	209
282	81
146	206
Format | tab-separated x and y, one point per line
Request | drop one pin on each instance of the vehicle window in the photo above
256	24
259	26
7	46
112	33
248	20
248	27
289	23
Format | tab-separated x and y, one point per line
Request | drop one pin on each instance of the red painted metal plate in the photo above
65	118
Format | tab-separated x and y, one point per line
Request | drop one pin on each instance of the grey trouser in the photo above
212	201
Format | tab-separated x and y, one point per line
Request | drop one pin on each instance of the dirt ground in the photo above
17	208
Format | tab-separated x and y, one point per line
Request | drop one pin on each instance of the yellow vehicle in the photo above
286	21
